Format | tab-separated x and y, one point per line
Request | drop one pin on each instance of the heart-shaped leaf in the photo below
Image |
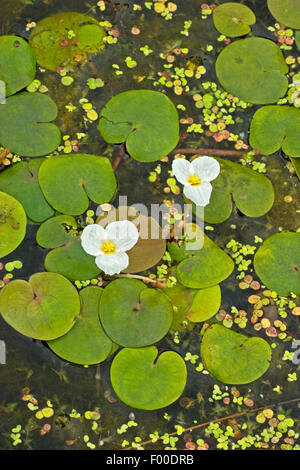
86	343
133	315
200	268
43	308
17	63
12	224
192	305
245	63
233	19
286	12
67	256
69	181
58	39
21	181
233	358
275	127
252	193
25	124
277	263
147	120
150	246
143	380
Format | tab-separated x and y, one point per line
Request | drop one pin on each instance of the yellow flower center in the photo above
194	180
108	248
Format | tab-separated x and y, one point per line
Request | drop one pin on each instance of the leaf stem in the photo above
216	152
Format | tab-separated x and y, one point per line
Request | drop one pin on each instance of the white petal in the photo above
123	234
112	264
200	195
206	168
92	238
182	169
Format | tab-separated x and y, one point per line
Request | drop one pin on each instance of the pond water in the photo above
32	368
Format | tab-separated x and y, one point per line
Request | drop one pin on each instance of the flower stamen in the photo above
108	248
194	180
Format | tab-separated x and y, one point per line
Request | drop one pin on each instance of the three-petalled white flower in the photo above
109	245
195	177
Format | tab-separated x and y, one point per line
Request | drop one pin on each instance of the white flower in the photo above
109	245
196	177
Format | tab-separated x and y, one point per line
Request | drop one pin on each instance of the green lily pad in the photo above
286	12
252	193
67	257
69	181
133	315
144	381
296	163
147	252
201	268
25	124
86	343
21	181
233	19
277	263
43	308
58	39
233	358
245	63
147	120
17	63
12	224
275	127
192	305
297	39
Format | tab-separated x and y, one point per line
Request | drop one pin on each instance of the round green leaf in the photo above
286	12
148	251
69	181
58	39
43	308
12	224
17	63
86	343
147	120
275	127
25	124
233	358
67	256
143	380
233	19
245	63
21	181
192	305
133	315
277	263
201	268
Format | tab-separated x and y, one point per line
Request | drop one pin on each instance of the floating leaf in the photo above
296	163
20	181
17	63
252	193
67	256
233	358
297	39
233	19
286	12
143	379
273	127
69	181
203	267
58	39
147	120
86	343
43	308
151	245
245	63
277	263
192	305
25	124
133	315
12	224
